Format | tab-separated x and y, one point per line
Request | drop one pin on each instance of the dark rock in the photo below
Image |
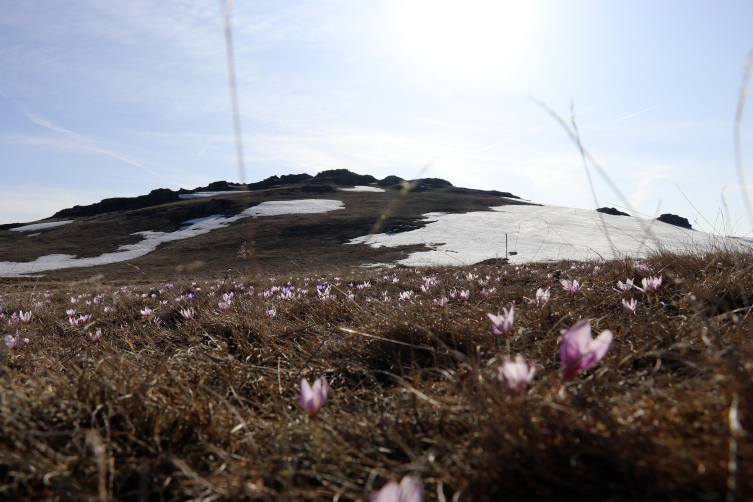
438	182
345	177
154	198
470	191
675	220
611	210
165	195
390	181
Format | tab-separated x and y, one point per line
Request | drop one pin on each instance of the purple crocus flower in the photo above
24	317
96	336
630	306
188	313
313	397
503	323
146	312
625	287
15	343
571	286
410	489
651	284
515	376
579	351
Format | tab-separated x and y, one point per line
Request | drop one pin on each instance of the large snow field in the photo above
153	239
362	189
40	226
536	233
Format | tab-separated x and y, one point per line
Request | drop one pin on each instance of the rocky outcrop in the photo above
675	220
393	180
345	177
154	198
165	195
611	210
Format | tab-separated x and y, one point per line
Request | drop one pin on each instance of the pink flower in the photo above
270	314
515	376
24	317
108	310
74	299
83	319
15	343
410	489
579	351
641	266
71	313
188	313
541	297
465	295
405	296
312	398
223	306
651	284
442	302
13	321
147	312
571	286
96	336
625	287
503	323
630	306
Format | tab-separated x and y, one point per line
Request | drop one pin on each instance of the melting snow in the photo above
198	195
40	226
535	233
153	239
362	189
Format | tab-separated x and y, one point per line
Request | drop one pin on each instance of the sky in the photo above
109	99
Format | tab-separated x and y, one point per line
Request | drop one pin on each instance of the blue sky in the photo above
104	99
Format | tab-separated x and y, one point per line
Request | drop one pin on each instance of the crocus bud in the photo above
515	376
579	351
410	489
313	397
503	323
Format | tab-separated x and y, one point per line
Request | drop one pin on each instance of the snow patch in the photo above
362	189
535	233
198	195
152	239
40	226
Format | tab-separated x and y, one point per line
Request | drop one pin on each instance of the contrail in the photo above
525	133
637	113
226	7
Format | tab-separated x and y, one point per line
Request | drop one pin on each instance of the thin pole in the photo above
505	246
227	25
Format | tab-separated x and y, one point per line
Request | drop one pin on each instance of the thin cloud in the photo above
638	113
76	142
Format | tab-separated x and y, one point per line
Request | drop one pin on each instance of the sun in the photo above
475	37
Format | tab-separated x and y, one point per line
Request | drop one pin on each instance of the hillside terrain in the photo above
283	242
302	223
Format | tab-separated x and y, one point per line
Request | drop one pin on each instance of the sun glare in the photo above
475	37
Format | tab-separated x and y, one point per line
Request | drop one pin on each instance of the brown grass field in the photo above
162	408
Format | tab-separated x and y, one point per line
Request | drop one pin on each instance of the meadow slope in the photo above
163	407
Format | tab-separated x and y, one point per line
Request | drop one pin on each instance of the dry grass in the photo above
206	409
